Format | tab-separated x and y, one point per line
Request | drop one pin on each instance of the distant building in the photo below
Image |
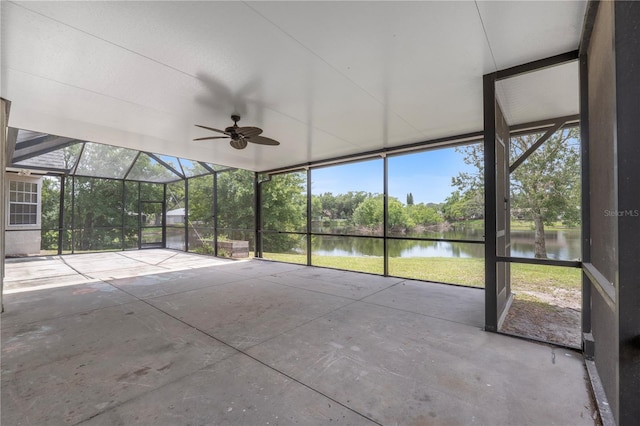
175	216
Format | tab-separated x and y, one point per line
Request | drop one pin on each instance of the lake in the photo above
561	244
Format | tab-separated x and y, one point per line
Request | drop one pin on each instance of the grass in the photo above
471	224
516	225
286	257
527	225
541	278
465	271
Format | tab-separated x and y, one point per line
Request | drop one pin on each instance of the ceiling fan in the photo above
239	135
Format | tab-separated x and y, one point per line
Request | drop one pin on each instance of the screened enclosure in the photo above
416	214
99	198
402	214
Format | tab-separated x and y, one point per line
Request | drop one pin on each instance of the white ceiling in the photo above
325	78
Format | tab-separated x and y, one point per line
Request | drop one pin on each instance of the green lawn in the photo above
541	278
465	271
516	225
527	225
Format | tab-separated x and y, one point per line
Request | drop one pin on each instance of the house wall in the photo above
22	243
22	240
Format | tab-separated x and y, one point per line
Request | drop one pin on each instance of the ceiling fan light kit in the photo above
240	136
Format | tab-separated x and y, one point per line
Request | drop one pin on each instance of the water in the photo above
561	245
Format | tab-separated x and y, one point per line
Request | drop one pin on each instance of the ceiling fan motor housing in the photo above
239	143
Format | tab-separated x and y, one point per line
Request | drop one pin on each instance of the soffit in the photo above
325	78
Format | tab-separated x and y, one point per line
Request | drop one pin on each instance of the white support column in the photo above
3	149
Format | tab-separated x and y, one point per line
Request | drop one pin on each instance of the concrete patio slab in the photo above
343	277
66	370
152	257
252	342
358	288
189	261
460	304
235	391
39	272
245	313
260	268
162	284
399	367
39	305
96	263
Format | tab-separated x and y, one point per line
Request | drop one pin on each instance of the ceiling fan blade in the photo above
211	128
211	137
249	132
261	140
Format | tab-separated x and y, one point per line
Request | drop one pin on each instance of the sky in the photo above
427	175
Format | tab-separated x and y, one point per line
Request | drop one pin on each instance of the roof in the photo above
176	212
59	155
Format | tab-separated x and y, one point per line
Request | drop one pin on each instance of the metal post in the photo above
215	214
585	196
164	216
139	217
124	217
257	210
309	217
73	214
186	215
490	268
61	215
4	117
385	220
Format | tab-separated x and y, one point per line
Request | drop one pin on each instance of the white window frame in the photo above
16	179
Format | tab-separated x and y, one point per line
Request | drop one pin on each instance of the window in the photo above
23	203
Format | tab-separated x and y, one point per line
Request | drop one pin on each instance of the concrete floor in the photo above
159	337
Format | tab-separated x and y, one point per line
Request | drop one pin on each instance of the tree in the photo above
284	202
284	208
316	208
50	202
468	201
50	212
398	216
235	200
339	206
97	215
370	214
421	214
545	188
464	206
200	206
409	199
175	195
